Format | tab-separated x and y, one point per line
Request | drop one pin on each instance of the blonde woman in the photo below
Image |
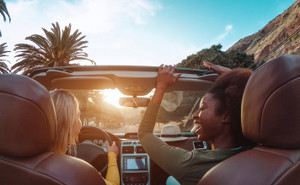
69	125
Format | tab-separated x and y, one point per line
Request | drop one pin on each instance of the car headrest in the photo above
271	104
28	120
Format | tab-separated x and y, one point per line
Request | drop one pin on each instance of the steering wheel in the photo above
90	152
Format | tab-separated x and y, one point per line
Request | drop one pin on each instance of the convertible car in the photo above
112	102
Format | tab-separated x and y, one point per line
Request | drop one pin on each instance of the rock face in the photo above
280	36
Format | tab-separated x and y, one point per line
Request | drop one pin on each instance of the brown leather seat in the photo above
27	131
270	117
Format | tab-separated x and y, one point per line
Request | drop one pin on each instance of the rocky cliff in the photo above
280	36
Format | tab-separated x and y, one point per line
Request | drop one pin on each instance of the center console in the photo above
135	164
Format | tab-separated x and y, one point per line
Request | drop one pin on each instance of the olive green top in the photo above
187	167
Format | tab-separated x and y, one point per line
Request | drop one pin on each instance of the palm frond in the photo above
4	11
3	53
57	48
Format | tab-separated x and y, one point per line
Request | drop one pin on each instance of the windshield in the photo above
101	108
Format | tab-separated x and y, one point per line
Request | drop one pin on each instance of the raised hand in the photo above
165	76
216	68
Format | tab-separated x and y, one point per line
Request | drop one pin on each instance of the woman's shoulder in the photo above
218	154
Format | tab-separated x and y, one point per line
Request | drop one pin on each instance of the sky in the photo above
142	32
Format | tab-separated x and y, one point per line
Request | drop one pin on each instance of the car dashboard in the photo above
136	166
135	163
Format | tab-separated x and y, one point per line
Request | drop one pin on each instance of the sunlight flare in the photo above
112	96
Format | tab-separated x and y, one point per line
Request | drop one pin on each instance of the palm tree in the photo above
4	12
3	66
56	49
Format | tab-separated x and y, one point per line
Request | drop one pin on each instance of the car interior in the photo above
270	117
93	84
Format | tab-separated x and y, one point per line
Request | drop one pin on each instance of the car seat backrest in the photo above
27	122
271	104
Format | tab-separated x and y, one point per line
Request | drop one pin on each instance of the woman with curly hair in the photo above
218	121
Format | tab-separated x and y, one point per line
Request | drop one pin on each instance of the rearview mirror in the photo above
134	101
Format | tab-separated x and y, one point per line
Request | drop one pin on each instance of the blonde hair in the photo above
67	109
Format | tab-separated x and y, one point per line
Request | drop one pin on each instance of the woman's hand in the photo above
165	77
216	68
113	148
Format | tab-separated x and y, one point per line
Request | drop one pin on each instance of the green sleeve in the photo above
169	158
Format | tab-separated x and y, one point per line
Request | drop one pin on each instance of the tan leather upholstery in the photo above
271	104
27	131
270	117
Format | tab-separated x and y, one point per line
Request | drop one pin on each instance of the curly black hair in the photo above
228	91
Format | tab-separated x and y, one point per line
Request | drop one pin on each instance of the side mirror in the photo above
134	101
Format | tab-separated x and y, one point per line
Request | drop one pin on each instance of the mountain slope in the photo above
280	36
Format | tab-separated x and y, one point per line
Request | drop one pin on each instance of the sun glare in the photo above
112	96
